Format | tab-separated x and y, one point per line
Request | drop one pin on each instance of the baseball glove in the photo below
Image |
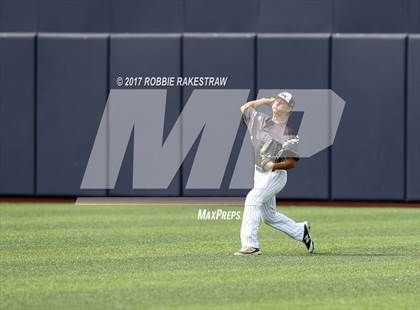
275	151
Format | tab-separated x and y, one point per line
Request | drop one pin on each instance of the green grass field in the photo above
60	256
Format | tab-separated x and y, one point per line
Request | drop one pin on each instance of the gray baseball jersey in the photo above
271	141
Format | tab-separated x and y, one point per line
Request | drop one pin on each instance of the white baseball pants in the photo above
260	205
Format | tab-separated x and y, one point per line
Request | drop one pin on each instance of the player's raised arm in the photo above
256	103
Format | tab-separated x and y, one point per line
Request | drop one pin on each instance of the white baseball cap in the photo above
288	97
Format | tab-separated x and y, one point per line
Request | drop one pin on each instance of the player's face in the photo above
280	107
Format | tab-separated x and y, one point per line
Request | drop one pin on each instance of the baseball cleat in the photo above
247	251
307	240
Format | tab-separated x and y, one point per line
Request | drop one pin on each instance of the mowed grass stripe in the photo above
316	272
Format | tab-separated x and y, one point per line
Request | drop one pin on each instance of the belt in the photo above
258	168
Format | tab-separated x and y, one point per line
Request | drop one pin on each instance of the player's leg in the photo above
269	211
265	186
270	184
251	220
280	221
298	231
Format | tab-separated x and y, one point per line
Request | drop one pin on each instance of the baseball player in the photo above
275	148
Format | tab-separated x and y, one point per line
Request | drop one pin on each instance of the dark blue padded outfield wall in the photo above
368	155
54	88
59	59
298	62
17	114
223	55
413	117
71	94
145	55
